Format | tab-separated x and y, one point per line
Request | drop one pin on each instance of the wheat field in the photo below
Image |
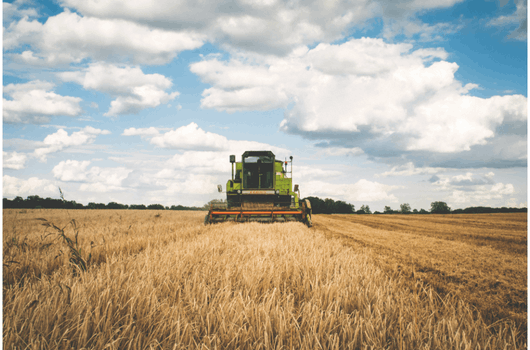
125	279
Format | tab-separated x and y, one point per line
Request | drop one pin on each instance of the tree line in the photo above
443	208
36	202
319	206
329	206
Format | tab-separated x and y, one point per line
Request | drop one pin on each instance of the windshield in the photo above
258	172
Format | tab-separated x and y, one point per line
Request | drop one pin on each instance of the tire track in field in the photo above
511	239
493	281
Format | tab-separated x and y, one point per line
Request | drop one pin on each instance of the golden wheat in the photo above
482	258
163	280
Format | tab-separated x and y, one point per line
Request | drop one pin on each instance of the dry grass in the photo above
163	280
480	258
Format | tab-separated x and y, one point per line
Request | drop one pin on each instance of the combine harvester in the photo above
260	191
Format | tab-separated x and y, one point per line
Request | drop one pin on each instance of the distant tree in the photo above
329	206
440	208
388	210
33	201
156	207
376	212
423	211
366	209
137	206
415	211
405	208
341	207
114	205
317	205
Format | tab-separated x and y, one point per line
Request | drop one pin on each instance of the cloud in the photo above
196	184
409	169
342	151
144	132
464	182
469	180
512	203
13	187
361	191
95	179
271	27
471	189
313	172
335	93
71	170
518	18
482	194
135	90
196	162
190	137
60	140
14	160
414	28
17	10
98	39
35	102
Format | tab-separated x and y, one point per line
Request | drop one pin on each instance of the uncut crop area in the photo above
126	279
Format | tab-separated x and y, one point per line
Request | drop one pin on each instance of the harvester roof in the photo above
258	154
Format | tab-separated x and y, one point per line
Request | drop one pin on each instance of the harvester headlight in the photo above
277	191
239	191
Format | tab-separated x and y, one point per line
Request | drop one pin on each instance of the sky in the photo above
379	102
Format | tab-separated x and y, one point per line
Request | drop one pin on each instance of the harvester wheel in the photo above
207	219
309	211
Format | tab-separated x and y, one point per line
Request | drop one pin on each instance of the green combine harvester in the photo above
260	190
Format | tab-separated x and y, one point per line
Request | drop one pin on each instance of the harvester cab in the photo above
260	190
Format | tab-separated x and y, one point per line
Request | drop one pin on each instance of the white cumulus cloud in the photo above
13	187
361	191
364	91
95	38
482	194
14	160
259	26
145	132
71	170
409	169
190	137
60	140
35	102
94	179
133	89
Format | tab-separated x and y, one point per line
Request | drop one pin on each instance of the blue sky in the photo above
379	102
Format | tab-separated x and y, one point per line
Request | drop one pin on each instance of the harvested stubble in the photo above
248	286
481	258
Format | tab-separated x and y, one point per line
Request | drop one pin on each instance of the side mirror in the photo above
295	188
219	188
